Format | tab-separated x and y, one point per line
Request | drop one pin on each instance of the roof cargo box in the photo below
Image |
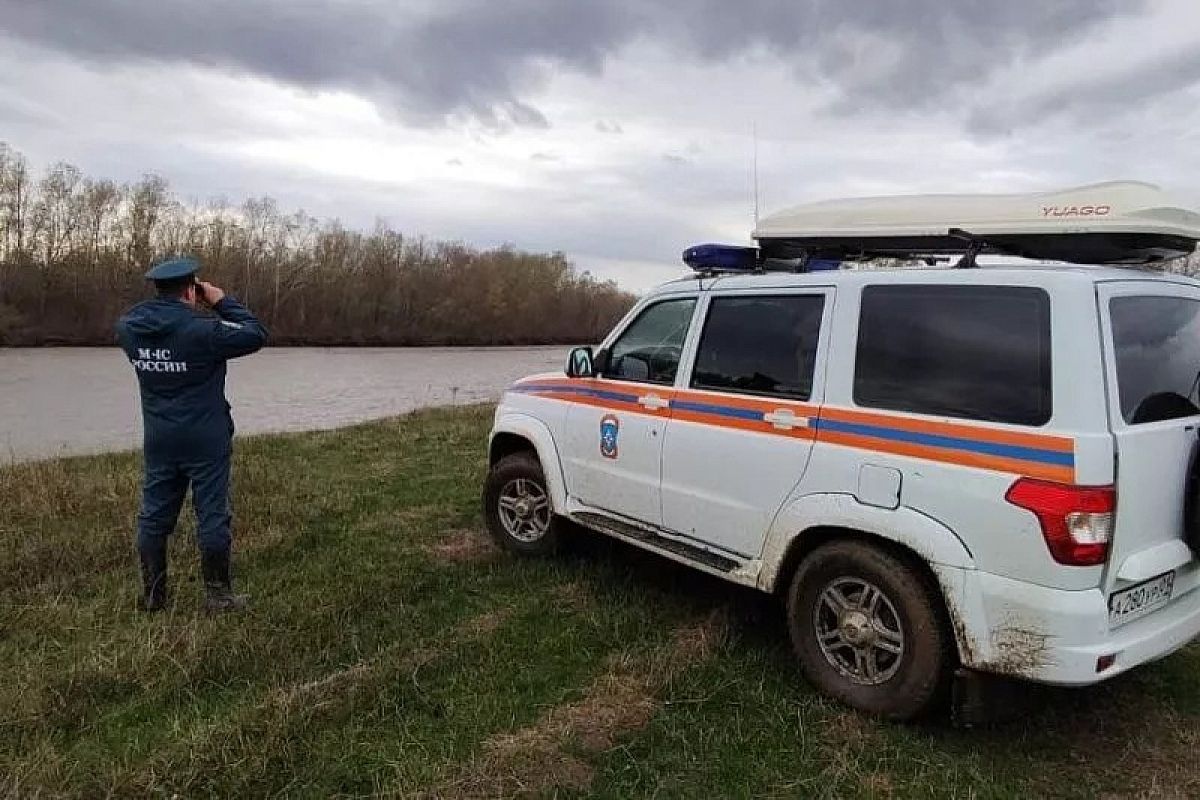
1121	222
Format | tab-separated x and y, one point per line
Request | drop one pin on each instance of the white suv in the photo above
987	468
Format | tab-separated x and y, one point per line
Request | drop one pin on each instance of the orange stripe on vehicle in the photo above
1013	452
958	458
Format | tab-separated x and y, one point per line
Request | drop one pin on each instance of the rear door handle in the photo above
785	419
653	402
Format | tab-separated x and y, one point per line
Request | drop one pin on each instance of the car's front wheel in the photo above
868	629
517	508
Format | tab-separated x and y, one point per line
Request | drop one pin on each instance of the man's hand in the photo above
212	294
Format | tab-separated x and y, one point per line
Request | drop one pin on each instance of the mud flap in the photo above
1191	502
978	699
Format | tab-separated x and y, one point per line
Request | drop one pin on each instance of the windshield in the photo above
1157	345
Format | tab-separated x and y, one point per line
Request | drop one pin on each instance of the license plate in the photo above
1129	604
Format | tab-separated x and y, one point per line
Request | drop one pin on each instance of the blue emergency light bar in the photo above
721	258
709	258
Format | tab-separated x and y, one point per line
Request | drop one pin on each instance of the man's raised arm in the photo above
238	332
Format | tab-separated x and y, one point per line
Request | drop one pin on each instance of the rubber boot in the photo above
153	554
218	589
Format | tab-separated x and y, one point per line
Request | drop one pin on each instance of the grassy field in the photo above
392	651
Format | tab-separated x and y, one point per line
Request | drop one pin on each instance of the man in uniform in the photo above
178	353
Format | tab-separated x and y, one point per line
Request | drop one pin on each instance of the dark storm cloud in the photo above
895	53
475	59
484	58
1089	98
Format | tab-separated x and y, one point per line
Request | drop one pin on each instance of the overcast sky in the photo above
618	131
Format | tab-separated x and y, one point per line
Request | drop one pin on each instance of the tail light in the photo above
1077	521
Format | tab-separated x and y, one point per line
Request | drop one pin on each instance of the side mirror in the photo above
600	363
580	364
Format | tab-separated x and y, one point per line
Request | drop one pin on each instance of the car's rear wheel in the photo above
868	629
517	507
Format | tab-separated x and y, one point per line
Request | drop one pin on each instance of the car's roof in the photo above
1041	275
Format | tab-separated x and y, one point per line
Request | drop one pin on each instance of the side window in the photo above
976	352
649	349
760	345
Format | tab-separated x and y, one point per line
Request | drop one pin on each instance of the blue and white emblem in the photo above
610	428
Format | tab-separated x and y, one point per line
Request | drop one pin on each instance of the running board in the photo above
692	552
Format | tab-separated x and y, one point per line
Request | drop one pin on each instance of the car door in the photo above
614	429
1153	343
739	438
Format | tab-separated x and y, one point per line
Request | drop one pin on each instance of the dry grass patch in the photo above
486	624
878	784
464	545
552	752
339	686
260	537
572	595
402	521
257	730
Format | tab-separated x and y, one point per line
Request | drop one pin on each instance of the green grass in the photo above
390	652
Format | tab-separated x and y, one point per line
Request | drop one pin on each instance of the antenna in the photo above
754	136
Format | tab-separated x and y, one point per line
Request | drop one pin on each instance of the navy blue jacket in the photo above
179	356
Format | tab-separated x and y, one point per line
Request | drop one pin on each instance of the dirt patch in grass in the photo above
552	753
464	546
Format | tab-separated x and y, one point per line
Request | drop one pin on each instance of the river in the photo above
72	401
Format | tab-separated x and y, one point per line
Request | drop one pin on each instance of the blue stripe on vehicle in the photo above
949	442
600	394
614	396
722	411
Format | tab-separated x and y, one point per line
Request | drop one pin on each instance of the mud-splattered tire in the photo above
517	507
869	630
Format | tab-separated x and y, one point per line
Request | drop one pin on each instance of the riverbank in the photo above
71	401
392	650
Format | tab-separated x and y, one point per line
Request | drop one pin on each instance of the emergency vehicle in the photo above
957	466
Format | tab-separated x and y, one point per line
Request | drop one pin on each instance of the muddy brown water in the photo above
71	401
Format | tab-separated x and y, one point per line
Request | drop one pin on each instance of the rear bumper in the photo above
1054	636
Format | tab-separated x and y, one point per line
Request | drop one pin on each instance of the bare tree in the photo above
57	212
315	283
17	199
146	202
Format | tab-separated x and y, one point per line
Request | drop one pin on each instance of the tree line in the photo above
73	250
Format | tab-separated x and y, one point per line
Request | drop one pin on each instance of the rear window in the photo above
974	352
1157	346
